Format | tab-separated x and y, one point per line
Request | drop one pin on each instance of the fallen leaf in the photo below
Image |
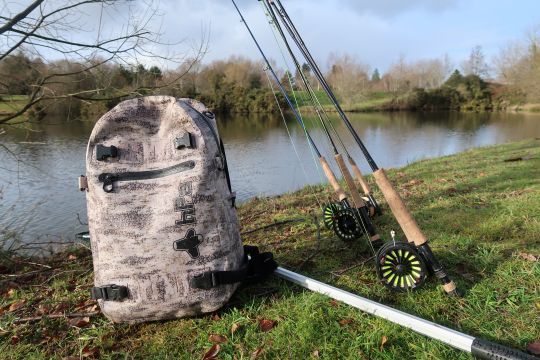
482	174
534	347
537	305
384	340
16	305
11	292
235	327
212	352
217	339
256	353
89	352
15	339
266	324
216	317
344	322
334	303
315	354
80	322
528	257
72	257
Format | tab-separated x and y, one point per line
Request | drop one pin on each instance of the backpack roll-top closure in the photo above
159	210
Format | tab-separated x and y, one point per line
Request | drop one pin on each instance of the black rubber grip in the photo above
484	349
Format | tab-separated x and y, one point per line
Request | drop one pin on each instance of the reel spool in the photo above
346	225
400	267
343	221
329	214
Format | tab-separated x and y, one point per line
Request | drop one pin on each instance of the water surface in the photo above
38	175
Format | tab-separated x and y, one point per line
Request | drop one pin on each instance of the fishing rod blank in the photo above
479	348
324	164
410	228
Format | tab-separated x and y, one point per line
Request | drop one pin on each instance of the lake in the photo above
40	163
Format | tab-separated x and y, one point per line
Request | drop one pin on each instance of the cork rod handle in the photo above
403	215
332	179
357	199
359	177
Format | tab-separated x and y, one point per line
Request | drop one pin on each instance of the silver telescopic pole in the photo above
480	348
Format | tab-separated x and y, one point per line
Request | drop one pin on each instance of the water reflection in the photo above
39	191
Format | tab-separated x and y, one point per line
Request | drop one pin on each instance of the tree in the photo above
454	80
476	63
348	77
518	66
375	77
88	46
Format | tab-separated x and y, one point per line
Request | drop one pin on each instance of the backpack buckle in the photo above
104	152
109	292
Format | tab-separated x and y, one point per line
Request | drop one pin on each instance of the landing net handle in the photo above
479	348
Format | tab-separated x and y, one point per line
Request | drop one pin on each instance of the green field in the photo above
374	101
482	216
11	103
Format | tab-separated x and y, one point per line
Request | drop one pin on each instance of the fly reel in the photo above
400	267
343	221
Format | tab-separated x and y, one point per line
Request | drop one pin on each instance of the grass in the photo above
374	101
482	216
11	103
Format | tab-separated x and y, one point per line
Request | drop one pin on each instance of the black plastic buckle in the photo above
184	141
205	281
104	152
110	292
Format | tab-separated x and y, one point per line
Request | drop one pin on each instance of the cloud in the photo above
390	8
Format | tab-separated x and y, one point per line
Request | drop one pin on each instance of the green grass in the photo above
11	103
374	101
480	213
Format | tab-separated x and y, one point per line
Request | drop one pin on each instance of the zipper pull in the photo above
107	180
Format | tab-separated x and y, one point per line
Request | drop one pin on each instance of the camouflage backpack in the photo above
163	226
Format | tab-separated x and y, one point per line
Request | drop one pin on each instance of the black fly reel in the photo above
400	267
343	221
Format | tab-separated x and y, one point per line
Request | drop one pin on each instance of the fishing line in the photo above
290	137
342	167
289	78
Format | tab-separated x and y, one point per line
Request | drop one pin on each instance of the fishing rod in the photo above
330	209
478	347
400	266
393	267
348	224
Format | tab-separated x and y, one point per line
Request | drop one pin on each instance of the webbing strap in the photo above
256	268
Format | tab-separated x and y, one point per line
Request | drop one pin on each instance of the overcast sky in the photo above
377	31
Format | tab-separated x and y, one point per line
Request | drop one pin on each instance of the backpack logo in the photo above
190	243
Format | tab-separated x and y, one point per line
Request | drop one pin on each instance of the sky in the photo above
377	32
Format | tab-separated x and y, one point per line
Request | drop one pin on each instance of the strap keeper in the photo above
109	292
204	281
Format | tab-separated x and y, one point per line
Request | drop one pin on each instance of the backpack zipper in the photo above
109	178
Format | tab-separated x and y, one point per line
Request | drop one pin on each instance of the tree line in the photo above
90	85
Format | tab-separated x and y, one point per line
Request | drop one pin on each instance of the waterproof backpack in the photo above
162	220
